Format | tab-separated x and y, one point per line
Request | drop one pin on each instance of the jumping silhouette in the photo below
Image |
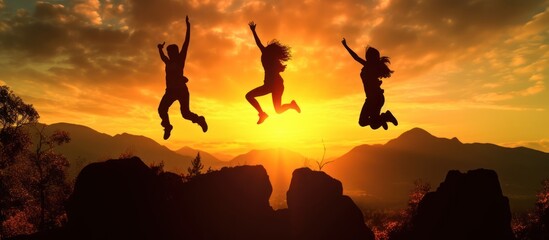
272	57
176	87
374	68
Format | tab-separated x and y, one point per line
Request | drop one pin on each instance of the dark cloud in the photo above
50	12
419	28
67	38
114	43
74	48
156	14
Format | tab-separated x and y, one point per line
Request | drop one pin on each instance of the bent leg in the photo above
278	90
256	92
165	103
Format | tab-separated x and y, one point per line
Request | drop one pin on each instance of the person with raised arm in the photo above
176	84
374	67
272	57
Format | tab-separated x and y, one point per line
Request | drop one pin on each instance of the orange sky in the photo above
476	70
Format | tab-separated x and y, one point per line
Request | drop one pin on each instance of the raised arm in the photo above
353	54
257	41
183	52
161	52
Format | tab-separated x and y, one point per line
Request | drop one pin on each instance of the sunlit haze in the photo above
475	70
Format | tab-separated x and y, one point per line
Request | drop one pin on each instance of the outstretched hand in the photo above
344	42
161	46
187	20
252	25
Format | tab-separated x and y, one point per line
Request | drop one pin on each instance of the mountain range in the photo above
88	145
375	176
385	173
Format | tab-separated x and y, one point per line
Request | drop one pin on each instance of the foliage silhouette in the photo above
14	145
32	178
157	168
14	113
176	84
534	225
49	173
128	153
196	167
404	222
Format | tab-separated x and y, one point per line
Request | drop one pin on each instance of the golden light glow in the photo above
100	68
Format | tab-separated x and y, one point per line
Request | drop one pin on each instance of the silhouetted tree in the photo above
14	142
416	195
32	180
398	229
14	113
157	168
535	224
383	221
128	153
48	179
542	205
196	167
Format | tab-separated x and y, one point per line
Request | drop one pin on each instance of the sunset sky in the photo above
473	69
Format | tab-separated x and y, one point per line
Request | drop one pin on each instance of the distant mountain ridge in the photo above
88	145
385	173
206	158
373	174
419	137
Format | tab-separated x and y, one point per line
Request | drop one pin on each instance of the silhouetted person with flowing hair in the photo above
176	87
373	69
272	58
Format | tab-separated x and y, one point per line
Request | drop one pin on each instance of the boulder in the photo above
318	209
232	203
125	199
113	200
465	206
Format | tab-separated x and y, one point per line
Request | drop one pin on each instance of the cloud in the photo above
70	44
540	145
99	57
443	29
89	10
101	42
537	24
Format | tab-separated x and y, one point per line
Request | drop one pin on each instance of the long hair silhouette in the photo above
374	67
273	57
379	62
277	50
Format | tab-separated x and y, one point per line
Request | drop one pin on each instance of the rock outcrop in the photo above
229	204
125	199
113	200
465	206
318	209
